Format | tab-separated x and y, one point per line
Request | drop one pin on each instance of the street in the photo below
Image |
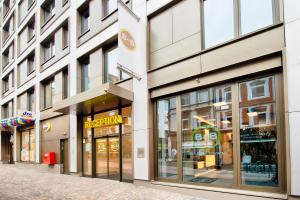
21	183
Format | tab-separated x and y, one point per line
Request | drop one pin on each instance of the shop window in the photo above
255	14
28	145
167	140
109	6
203	96
208	139
218	21
112	73
258	137
207	149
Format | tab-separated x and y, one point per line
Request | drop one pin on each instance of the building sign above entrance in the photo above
106	121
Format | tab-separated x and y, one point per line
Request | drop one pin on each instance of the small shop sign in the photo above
106	121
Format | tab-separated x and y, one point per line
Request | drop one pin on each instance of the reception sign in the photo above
106	121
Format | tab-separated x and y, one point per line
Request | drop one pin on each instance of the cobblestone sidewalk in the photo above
24	184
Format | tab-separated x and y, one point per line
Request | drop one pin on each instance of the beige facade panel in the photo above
161	31
176	51
246	49
127	84
223	75
59	129
186	23
178	71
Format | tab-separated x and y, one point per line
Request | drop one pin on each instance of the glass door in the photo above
107	158
101	158
113	158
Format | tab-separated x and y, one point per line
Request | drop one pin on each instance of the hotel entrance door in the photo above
107	157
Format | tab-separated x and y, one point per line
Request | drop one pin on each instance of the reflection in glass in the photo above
258	135
101	157
113	158
218	21
127	144
207	137
87	149
106	130
167	139
255	14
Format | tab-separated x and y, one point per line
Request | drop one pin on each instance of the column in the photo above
292	72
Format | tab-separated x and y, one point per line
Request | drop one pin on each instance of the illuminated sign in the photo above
127	39
106	121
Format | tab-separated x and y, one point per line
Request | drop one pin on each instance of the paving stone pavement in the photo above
27	184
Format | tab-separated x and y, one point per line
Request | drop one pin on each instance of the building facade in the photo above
214	107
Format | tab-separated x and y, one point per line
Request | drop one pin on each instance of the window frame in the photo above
237	23
235	117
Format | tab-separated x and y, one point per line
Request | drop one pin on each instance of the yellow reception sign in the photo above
106	121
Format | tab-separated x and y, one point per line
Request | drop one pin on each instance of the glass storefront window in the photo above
167	139
228	137
255	14
218	21
258	136
127	144
207	137
28	145
87	149
106	130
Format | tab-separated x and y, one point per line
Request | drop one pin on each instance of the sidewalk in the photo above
26	184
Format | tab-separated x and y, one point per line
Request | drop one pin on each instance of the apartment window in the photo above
65	35
65	84
49	88
64	2
30	2
203	96
218	21
49	49
49	10
30	65
255	14
31	29
85	20
5	111
109	6
112	73
30	100
8	4
5	86
85	74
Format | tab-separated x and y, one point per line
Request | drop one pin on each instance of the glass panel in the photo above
32	146
110	60
87	149
127	144
218	21
207	137
25	146
113	156
101	157
85	73
106	130
167	139
109	6
258	137
255	14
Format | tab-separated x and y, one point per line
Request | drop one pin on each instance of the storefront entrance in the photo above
107	145
107	158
